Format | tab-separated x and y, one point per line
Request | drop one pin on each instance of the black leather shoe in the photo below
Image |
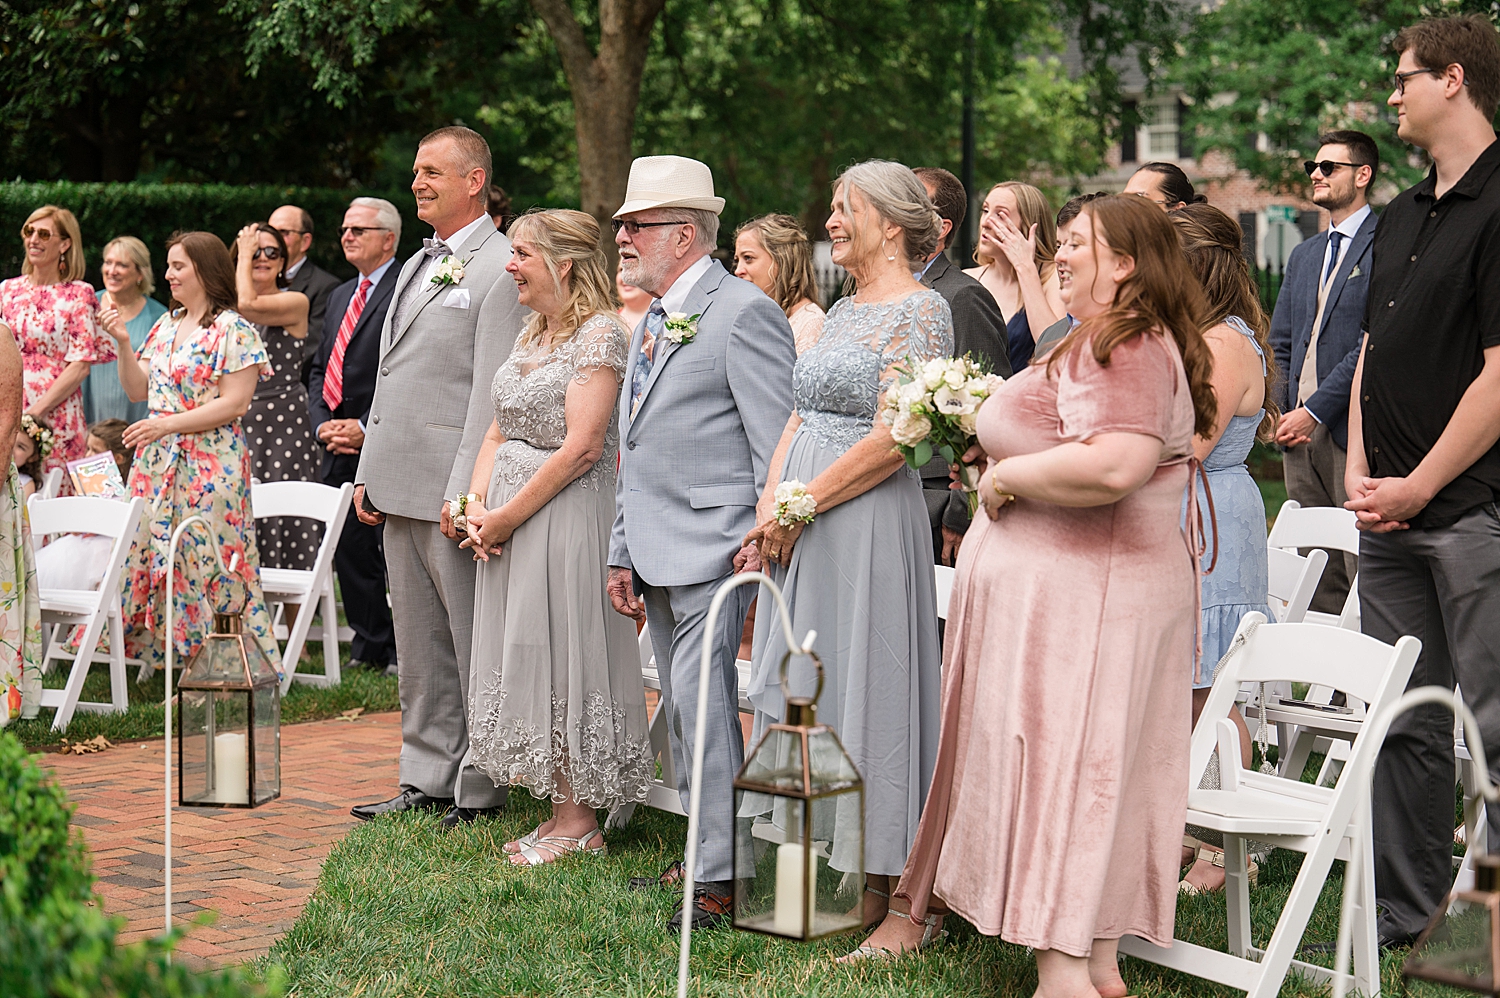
467	816
406	800
360	664
711	909
669	879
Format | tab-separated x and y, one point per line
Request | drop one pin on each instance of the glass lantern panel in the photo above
1457	952
214	747
776	761
267	735
262	667
832	769
790	882
217	661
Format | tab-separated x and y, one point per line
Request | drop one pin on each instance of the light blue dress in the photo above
103	396
861	576
1238	583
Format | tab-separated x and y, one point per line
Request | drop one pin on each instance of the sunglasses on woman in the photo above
31	230
266	252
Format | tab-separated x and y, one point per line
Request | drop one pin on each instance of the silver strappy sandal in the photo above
560	846
531	838
931	936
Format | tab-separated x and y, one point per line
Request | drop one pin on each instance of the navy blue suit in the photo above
360	556
1339	337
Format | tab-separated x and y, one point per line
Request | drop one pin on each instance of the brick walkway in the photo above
254	868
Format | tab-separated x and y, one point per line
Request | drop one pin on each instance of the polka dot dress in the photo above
283	449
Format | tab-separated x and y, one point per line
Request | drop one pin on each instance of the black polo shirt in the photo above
1433	307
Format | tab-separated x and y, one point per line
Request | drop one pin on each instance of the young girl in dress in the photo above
32	445
79	561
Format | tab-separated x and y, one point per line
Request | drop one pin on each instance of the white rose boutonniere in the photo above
794	504
450	271
681	327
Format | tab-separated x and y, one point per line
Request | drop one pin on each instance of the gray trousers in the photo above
1443	587
1315	477
432	603
678	619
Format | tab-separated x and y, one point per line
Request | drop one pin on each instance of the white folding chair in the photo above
1330	529
943	576
1320	822
51	484
89	609
1293	581
311	590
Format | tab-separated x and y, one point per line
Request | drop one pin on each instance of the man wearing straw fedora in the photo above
707	391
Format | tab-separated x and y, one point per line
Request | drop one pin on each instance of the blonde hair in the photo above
786	243
1034	209
562	235
898	197
70	267
139	255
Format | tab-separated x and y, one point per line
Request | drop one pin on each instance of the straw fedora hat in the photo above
669	182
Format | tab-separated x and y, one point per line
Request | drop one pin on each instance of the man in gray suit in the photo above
451	325
701	412
978	329
1315	334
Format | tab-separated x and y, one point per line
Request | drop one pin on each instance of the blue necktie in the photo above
1335	238
656	324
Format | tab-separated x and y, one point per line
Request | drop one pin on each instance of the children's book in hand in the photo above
97	476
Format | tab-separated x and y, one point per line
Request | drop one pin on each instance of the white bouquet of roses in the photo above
931	410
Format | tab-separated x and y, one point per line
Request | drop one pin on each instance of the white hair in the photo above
385	213
898	197
705	226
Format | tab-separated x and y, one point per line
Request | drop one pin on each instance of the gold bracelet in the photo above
995	484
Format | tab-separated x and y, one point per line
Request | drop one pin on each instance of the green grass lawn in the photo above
143	719
405	909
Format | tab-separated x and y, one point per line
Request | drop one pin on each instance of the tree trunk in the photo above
606	87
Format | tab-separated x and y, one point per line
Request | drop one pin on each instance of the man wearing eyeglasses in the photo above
1424	468
296	228
341	387
1315	333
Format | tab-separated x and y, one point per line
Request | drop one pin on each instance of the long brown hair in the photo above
785	242
1161	293
1212	242
215	271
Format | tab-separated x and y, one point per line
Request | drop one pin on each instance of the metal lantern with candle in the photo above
799	822
229	721
1460	947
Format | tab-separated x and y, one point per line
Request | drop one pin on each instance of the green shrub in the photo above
55	940
153	212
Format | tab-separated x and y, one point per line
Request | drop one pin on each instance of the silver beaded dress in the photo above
861	576
555	678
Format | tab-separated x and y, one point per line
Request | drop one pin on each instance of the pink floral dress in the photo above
182	474
54	326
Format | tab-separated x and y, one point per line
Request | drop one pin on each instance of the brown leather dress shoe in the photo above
711	909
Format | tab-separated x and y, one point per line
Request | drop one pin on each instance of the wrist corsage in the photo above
457	507
794	504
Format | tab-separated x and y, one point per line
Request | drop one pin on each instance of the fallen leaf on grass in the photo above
98	743
350	715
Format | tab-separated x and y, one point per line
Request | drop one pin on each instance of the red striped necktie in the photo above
333	378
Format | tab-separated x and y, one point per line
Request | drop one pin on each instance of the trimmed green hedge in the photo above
55	941
152	212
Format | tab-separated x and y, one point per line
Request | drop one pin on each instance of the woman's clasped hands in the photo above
775	541
488	531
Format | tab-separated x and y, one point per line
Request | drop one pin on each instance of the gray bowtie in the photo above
436	247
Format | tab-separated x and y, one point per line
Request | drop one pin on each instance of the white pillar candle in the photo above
231	768
793	903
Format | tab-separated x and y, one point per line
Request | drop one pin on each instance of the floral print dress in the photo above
54	326
182	474
20	609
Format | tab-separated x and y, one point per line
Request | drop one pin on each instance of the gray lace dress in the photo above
861	576
555	676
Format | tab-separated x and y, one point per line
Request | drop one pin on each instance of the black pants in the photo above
1443	587
360	563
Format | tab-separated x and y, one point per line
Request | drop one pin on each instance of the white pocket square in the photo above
457	298
1354	273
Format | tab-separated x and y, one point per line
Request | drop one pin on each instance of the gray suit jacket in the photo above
432	397
1340	335
694	458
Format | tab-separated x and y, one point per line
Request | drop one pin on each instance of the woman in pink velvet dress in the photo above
1061	784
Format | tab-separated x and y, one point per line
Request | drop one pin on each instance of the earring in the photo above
892	257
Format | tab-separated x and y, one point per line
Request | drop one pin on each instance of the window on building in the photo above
1163	120
1128	153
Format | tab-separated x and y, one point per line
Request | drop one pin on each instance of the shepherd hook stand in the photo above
700	732
1381	726
167	694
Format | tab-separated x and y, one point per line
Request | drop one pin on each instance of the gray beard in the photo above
645	274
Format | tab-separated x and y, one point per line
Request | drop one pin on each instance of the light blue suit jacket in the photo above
695	455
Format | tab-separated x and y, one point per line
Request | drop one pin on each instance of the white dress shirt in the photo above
375	275
1348	228
291	270
677	294
454	242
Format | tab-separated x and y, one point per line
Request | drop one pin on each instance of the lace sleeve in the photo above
600	342
923	331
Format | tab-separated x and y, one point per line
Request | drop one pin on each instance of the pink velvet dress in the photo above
1056	810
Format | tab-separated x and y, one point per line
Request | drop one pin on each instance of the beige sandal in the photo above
1215	857
931	936
559	846
531	838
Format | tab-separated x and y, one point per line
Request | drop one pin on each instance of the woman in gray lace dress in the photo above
556	700
860	573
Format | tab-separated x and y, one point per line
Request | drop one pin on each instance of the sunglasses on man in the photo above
358	231
634	228
1328	166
